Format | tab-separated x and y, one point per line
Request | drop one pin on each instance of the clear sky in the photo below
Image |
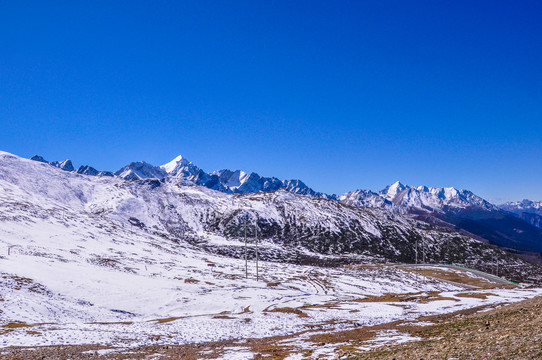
341	94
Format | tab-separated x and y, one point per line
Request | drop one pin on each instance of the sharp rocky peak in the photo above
65	165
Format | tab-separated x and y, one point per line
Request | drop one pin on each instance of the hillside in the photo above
115	263
290	227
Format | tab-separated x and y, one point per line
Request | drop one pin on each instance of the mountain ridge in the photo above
239	181
458	208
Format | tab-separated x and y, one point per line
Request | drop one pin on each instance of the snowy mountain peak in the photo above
524	206
180	167
170	166
392	190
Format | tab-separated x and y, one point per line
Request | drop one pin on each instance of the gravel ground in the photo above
507	332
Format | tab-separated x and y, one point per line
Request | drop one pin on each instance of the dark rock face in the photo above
65	165
39	159
87	170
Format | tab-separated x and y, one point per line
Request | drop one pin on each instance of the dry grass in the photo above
412	297
475	295
458	276
168	319
289	310
113	323
15	325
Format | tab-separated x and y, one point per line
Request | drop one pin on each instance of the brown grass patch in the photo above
289	310
458	276
113	323
191	281
169	319
224	317
475	295
15	325
412	297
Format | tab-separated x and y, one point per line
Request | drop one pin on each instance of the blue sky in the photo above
341	94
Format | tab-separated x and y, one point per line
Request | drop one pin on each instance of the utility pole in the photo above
246	251
416	271
424	245
257	255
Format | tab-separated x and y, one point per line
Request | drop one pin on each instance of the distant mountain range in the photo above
529	211
515	226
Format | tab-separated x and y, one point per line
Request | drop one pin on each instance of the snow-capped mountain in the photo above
391	191
527	210
180	170
433	199
100	259
464	210
291	227
180	167
460	209
524	206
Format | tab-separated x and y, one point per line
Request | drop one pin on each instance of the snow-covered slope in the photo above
458	208
89	259
291	227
